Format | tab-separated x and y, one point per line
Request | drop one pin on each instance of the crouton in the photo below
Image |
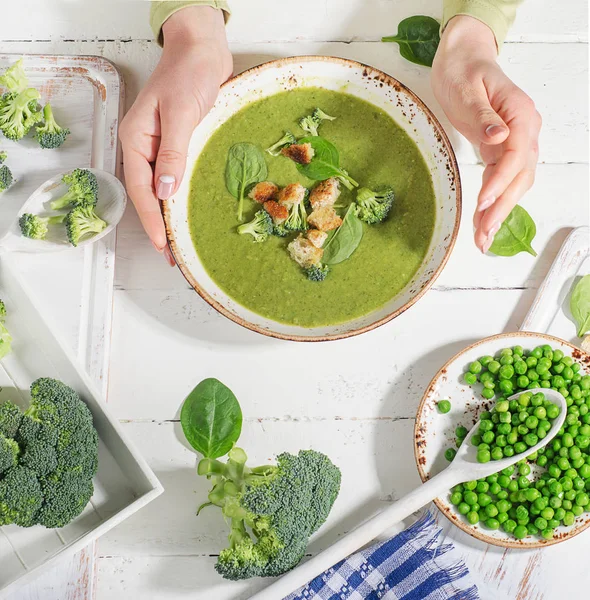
304	253
325	193
299	153
263	192
292	194
324	219
317	237
278	212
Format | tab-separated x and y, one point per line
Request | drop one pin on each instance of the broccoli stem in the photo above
68	198
211	466
347	180
237	533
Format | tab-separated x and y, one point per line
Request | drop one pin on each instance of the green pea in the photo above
520	367
582	499
444	406
519	532
487	393
509	526
577	509
483	456
475	367
488	437
569	518
469	378
491	510
547	513
558	369
463	508
461	431
557	357
470	497
450	454
486	360
486	425
522	381
547	534
518	350
506	370
472	517
497	453
531	494
456	498
492	523
494	367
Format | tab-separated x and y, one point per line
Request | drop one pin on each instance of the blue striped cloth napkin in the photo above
410	566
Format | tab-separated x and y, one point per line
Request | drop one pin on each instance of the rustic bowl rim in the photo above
446	511
454	173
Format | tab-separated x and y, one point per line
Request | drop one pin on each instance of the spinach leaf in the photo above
245	166
345	241
211	418
515	235
418	38
325	162
580	305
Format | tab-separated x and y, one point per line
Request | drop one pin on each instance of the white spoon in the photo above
464	467
112	199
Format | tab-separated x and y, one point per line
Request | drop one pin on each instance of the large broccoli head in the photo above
273	510
56	449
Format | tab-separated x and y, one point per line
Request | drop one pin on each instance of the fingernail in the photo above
486	245
493	130
493	230
169	257
160	250
165	186
486	203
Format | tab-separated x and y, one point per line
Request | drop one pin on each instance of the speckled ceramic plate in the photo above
435	432
364	82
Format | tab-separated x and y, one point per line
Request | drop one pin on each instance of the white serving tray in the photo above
124	482
550	311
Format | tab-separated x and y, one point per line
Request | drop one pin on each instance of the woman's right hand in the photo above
157	129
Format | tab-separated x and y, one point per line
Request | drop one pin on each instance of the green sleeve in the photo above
497	14
162	11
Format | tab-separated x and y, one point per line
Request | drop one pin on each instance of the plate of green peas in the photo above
544	498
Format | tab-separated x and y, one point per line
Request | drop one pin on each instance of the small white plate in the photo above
112	200
435	432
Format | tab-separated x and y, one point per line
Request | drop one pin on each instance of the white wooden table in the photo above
360	406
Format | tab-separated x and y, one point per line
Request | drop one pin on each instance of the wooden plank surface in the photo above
359	400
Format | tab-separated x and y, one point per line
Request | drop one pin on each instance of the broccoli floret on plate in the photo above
50	135
82	221
82	190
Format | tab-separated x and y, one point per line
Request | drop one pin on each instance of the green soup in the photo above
262	277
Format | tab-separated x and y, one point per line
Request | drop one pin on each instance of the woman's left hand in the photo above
492	113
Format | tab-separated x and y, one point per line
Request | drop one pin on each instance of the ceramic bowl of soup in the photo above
385	136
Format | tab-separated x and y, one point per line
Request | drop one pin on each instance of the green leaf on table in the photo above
345	240
245	166
580	305
211	418
515	235
418	38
